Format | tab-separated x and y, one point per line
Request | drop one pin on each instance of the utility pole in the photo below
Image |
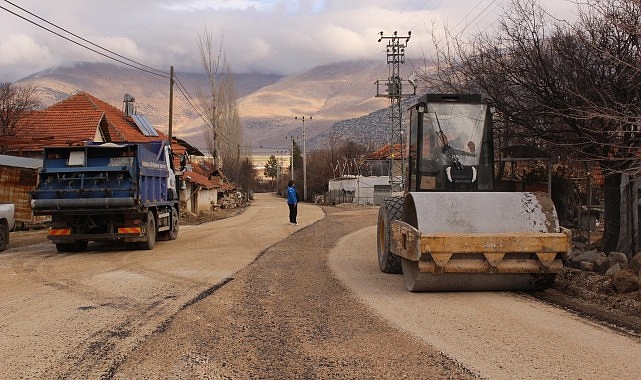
171	101
393	89
304	159
291	156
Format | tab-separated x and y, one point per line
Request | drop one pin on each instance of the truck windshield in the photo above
453	133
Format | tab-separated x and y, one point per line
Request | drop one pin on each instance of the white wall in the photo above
199	201
363	187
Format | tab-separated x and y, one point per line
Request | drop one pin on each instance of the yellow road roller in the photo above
450	230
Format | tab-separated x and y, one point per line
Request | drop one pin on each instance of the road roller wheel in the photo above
390	210
416	281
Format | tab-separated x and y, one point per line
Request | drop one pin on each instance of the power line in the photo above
190	100
478	15
465	18
140	66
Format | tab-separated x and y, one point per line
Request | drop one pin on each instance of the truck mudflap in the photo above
509	252
59	204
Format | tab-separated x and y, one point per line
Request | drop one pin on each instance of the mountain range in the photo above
337	100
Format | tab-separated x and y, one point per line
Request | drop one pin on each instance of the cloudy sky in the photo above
269	36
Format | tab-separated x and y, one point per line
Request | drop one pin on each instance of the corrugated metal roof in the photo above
20	162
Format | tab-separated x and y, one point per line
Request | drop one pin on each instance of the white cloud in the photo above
17	49
278	36
291	6
218	5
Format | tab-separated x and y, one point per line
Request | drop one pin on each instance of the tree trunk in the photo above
612	212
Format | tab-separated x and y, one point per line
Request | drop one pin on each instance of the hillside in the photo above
335	96
372	130
110	82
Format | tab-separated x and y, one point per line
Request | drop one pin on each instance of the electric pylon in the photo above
393	89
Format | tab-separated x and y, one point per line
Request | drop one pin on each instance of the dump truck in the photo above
7	223
450	229
108	192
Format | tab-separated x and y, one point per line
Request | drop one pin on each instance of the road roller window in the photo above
452	133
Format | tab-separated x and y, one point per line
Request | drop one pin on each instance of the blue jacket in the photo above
292	197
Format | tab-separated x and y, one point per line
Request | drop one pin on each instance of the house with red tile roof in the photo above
74	121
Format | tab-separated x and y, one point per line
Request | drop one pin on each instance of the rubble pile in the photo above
624	272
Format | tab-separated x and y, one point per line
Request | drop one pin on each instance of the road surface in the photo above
254	297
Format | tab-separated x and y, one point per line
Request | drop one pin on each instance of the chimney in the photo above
130	102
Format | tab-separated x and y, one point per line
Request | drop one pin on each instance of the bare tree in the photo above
231	130
349	155
247	178
220	105
15	101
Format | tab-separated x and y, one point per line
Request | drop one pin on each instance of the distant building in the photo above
359	190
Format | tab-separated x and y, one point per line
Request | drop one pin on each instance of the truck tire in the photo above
175	224
4	235
171	234
151	232
389	211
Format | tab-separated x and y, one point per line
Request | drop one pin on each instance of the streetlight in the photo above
304	159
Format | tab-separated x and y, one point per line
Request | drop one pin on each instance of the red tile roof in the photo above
58	128
199	179
386	152
77	119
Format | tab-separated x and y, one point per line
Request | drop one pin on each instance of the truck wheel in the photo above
390	211
4	235
175	221
151	232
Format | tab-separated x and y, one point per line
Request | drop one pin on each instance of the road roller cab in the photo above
450	147
451	231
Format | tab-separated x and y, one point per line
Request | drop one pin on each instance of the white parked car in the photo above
7	222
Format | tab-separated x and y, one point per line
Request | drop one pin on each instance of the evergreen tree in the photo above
272	168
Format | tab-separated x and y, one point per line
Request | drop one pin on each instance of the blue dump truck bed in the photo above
102	177
107	192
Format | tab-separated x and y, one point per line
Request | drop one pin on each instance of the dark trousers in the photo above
293	212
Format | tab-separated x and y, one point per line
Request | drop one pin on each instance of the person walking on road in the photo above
292	202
